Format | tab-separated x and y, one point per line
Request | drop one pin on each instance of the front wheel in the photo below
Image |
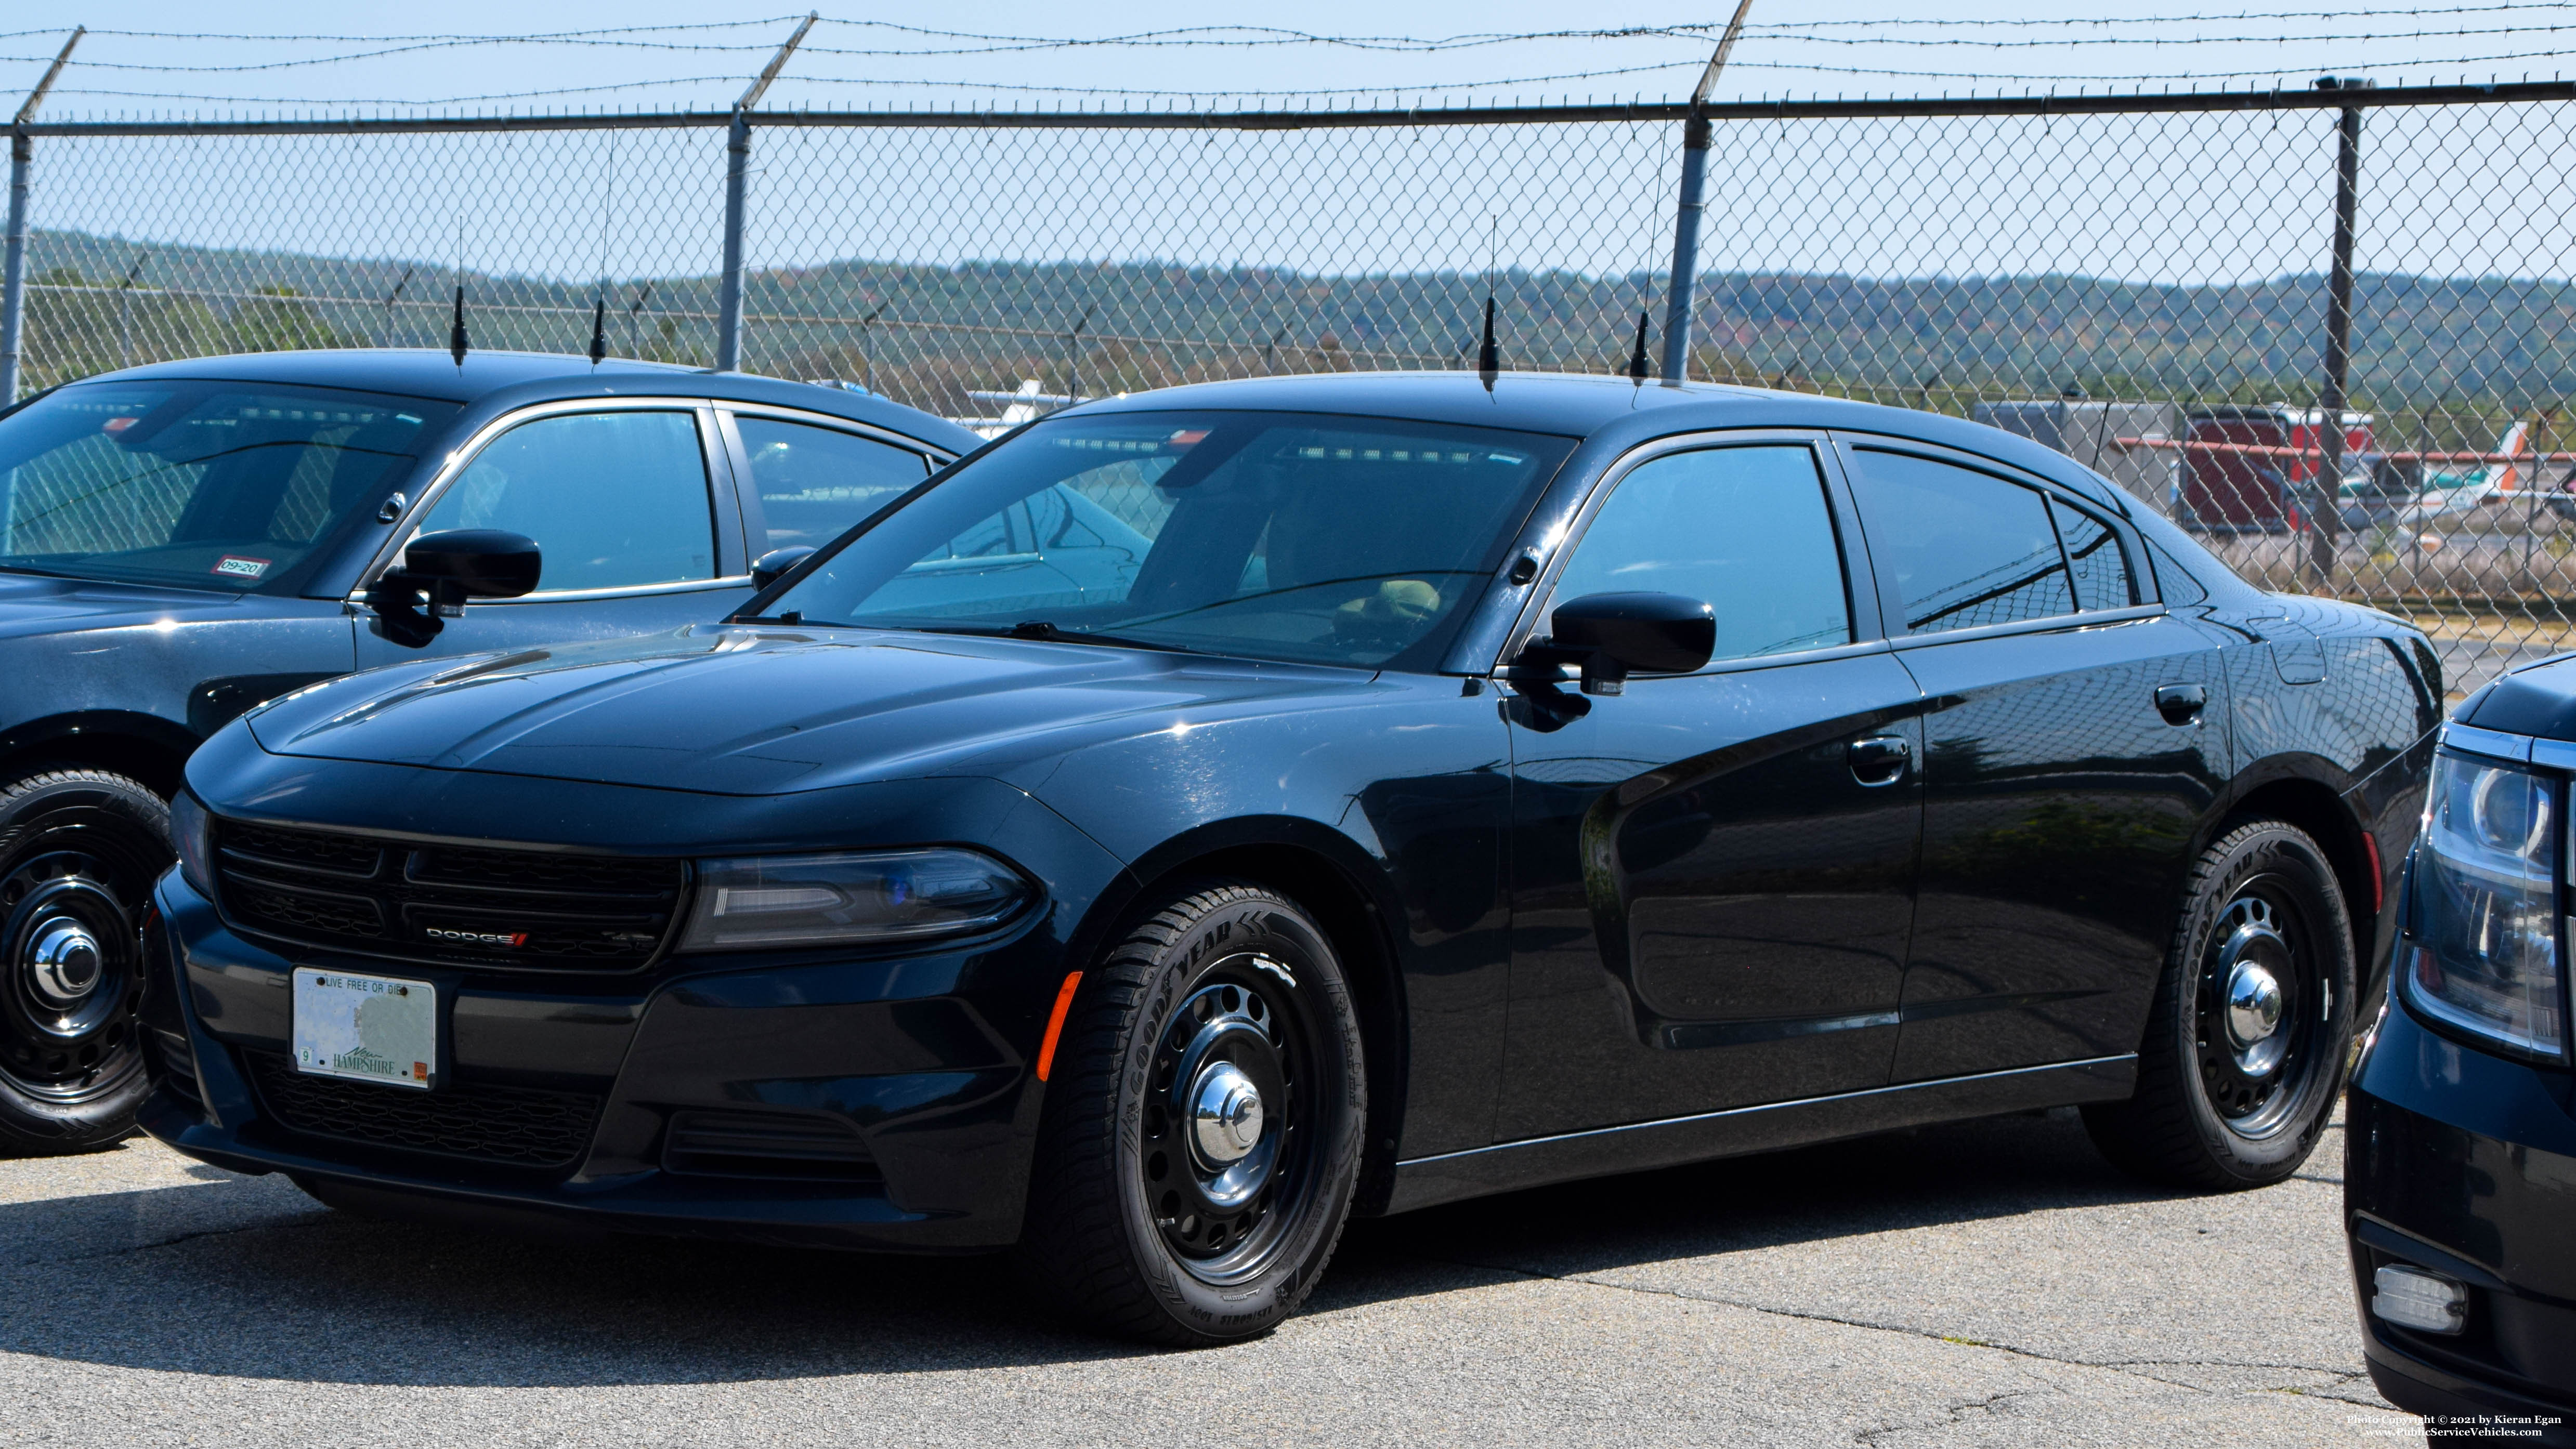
1201	1135
79	850
2248	1036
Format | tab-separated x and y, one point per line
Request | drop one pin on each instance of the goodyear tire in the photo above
1202	1128
2251	1028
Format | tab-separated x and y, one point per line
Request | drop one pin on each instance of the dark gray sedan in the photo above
179	543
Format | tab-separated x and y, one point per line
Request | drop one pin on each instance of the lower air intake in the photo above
511	1125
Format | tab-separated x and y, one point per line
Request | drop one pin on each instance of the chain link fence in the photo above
2146	282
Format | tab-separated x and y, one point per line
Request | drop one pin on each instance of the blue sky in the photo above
2384	39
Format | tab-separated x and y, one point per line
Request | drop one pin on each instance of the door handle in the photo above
1880	759
2181	704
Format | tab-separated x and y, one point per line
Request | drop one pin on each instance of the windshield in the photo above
1274	535
214	485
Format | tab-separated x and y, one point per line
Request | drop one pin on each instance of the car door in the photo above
631	506
1712	873
2072	753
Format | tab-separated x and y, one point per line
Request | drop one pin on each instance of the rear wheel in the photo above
79	851
2251	1025
1201	1136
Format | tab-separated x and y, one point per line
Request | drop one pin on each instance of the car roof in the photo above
1580	405
532	376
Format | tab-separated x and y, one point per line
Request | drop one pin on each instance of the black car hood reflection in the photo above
765	710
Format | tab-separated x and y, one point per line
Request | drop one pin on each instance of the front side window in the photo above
815	482
1272	535
215	485
614	500
1744	530
1968	549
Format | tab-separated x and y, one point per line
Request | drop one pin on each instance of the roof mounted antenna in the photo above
1637	359
598	330
1489	358
456	334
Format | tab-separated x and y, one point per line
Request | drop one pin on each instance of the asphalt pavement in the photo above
1984	1283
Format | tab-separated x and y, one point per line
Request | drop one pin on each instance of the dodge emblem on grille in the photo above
504	939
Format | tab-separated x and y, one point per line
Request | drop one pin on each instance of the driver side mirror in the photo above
442	570
774	565
1614	635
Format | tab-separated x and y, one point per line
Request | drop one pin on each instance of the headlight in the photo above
2483	947
824	900
192	830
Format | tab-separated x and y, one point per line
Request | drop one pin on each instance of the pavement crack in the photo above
2135	1368
313	1221
1955	1413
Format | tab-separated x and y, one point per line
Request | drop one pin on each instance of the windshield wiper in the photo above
1045	631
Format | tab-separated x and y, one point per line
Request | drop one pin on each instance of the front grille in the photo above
513	1125
714	1143
468	905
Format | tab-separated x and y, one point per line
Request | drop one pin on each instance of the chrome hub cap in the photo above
1225	1115
64	963
2253	1015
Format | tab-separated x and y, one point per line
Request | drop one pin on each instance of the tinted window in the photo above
216	485
1745	530
1275	535
612	499
1967	548
2093	558
2174	582
815	482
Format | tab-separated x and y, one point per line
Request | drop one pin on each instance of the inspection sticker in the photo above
241	568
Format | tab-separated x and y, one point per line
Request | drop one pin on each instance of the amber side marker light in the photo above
1055	1023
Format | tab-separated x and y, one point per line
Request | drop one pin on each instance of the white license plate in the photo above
366	1028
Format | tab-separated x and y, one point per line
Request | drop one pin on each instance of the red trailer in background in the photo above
2230	492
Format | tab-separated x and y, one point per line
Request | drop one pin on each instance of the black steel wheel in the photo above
2247	1039
79	851
1201	1136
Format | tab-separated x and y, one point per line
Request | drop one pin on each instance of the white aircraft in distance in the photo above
1024	406
2475	480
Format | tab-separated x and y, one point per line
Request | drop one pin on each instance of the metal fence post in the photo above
13	275
1677	309
13	280
2326	517
1696	134
737	173
729	290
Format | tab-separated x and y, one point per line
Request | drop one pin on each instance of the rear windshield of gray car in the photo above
1286	536
216	485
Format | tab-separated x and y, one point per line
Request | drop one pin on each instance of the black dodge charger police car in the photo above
1203	815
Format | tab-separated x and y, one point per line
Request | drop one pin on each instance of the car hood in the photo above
765	710
36	604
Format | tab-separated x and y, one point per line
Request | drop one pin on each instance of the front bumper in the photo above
892	1093
2464	1163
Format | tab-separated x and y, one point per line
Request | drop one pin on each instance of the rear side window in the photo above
614	500
2093	557
1968	549
1743	530
814	482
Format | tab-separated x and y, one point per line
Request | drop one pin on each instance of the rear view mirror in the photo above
774	565
1614	635
442	570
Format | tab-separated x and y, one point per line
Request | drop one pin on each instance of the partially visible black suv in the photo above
2460	1183
1203	815
181	542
